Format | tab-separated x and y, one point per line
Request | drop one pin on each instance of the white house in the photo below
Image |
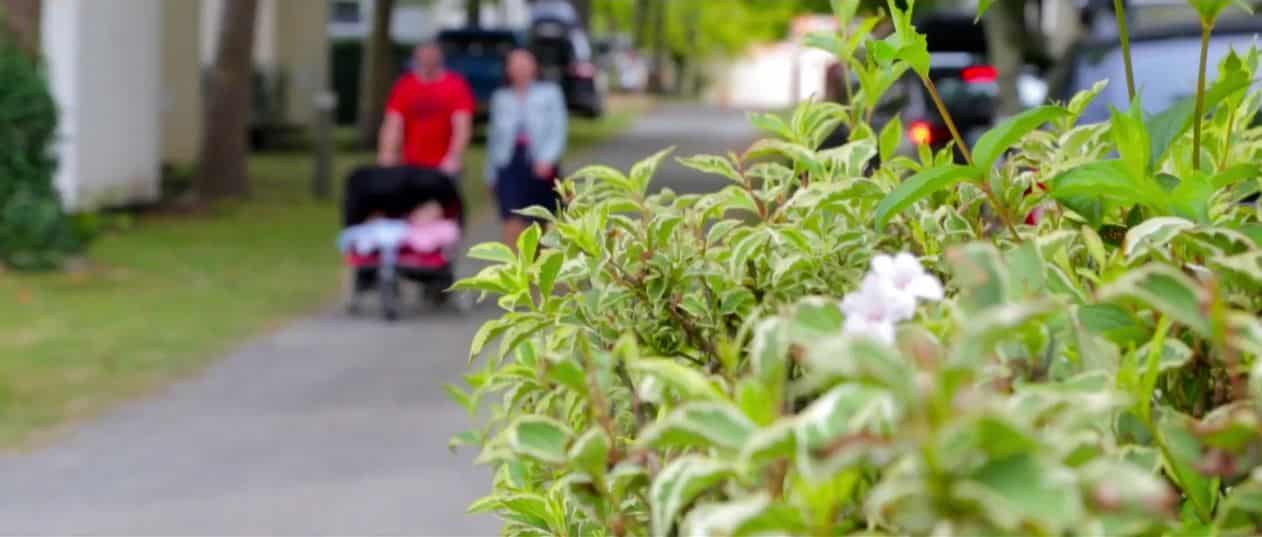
126	75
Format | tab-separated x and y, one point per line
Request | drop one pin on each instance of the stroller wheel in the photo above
390	299
462	301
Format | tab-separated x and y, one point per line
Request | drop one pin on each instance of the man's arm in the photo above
390	139
461	133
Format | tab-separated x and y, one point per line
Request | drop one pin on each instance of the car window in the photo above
1167	75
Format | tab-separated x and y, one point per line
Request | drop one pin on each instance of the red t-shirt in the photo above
427	107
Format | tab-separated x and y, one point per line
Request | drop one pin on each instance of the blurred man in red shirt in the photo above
429	117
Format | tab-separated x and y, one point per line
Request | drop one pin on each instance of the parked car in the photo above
565	56
479	55
966	81
1165	63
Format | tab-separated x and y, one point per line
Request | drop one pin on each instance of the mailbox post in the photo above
322	181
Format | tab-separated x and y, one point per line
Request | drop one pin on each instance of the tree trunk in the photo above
376	74
473	13
657	82
225	144
1005	36
22	19
584	10
642	12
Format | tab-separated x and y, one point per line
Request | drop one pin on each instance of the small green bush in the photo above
828	346
34	230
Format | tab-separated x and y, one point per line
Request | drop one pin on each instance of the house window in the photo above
346	11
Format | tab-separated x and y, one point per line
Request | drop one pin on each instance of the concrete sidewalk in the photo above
334	425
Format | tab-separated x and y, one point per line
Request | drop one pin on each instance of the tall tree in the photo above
642	11
473	13
1005	27
22	19
376	73
657	82
584	10
229	91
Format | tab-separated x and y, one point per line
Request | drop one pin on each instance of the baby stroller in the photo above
393	192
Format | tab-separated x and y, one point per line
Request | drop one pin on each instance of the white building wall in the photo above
105	69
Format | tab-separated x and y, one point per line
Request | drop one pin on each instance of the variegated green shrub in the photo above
832	346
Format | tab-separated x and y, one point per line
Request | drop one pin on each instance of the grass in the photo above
170	293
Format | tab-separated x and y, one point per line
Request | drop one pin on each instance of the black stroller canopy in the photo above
396	191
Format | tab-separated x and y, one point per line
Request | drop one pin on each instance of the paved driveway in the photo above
333	425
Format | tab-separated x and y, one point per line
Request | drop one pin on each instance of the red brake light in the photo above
920	133
980	74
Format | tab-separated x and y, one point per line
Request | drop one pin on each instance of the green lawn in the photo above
172	292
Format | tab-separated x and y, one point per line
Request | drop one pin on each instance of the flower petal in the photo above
905	263
883	266
926	287
865	328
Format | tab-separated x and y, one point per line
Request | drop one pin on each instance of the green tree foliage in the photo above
35	232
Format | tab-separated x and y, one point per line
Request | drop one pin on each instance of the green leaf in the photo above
1167	290
891	137
996	141
1181	454
590	453
1131	136
1025	265
699	425
919	187
1245	268
769	350
726	518
796	153
690	383
772	124
778	441
982	7
549	266
466	438
1106	179
980	274
1153	234
642	172
678	484
713	164
758	400
843	426
860	359
528	509
1113	322
539	437
496	252
1022	492
605	175
528	243
1168	125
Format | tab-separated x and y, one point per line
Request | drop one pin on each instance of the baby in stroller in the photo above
400	222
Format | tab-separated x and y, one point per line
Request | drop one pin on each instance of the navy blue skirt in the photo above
517	187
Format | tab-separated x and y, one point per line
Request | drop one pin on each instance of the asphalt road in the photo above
333	425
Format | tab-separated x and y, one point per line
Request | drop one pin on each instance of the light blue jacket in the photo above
544	116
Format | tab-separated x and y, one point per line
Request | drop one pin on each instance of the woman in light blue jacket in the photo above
525	140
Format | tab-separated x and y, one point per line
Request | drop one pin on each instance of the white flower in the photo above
909	279
873	309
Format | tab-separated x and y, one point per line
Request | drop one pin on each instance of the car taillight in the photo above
583	70
920	133
980	74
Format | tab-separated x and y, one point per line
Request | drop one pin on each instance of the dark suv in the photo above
479	55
